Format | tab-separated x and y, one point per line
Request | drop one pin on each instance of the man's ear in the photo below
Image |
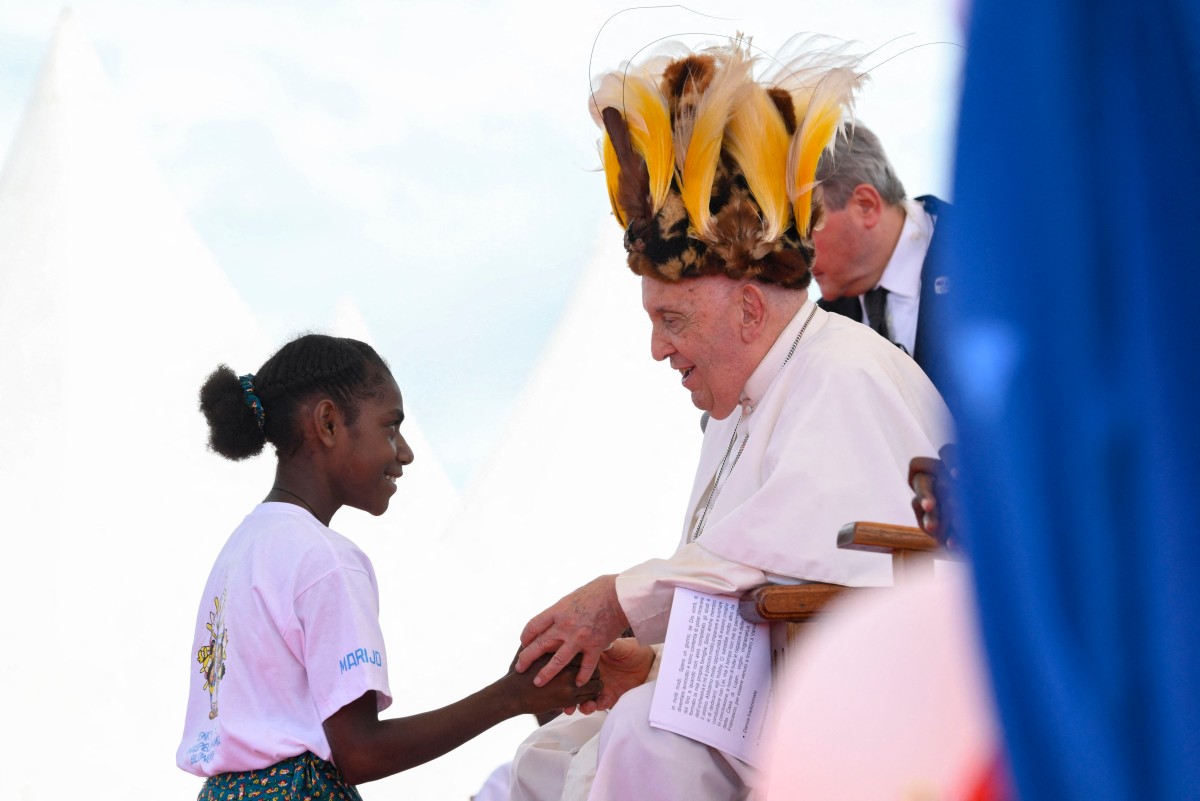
327	421
754	311
867	204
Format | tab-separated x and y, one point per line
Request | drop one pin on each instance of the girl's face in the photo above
374	452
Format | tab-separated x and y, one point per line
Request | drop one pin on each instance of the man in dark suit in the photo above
876	255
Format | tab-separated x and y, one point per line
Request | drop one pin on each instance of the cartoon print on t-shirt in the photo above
212	656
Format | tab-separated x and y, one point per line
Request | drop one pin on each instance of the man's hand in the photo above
585	621
623	666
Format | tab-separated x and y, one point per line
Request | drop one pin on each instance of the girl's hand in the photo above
558	693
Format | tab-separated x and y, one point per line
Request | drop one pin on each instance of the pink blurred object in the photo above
887	700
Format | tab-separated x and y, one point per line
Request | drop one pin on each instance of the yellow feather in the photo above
612	176
650	132
635	93
831	99
758	140
702	148
806	64
800	100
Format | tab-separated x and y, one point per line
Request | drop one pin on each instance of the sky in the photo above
434	163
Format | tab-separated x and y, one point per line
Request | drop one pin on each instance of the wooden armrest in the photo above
884	538
911	548
793	603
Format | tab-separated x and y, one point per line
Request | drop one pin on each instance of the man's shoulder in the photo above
840	339
843	347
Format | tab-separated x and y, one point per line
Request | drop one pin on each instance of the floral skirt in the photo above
306	777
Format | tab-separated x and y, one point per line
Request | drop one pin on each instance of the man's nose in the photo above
660	347
404	452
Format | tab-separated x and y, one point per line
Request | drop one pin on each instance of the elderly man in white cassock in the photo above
813	418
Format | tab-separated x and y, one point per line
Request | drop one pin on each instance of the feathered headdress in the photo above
711	171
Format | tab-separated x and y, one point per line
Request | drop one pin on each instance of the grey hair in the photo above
857	158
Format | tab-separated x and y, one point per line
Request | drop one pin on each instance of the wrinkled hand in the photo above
585	621
560	692
622	667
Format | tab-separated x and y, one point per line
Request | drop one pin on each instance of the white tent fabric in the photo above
426	501
111	314
593	471
591	476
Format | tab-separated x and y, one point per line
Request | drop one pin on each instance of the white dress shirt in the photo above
902	276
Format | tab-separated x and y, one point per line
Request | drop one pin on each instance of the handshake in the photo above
621	667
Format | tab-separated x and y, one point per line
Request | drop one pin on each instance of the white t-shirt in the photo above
287	634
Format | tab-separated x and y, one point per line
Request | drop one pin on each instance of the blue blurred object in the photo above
1075	376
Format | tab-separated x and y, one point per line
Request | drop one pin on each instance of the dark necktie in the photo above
876	302
847	306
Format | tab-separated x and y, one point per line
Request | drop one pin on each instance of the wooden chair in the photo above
912	552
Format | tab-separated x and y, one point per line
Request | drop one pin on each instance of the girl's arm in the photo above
366	748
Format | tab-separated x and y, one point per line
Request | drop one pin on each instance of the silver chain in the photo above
713	491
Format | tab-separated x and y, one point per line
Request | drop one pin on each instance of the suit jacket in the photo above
935	288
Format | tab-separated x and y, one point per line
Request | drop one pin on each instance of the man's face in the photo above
696	324
841	266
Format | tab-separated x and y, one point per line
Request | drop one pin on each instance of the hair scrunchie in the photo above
252	400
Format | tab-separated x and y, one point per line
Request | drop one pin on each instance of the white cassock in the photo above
823	437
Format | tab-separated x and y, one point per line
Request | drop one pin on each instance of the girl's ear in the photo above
327	420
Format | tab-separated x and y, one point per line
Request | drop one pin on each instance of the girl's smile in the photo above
376	451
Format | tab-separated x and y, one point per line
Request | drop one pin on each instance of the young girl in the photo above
289	670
